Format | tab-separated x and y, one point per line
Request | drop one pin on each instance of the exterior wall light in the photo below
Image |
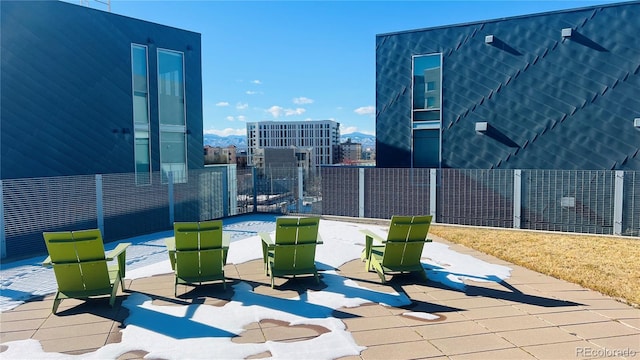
567	32
488	39
481	127
636	123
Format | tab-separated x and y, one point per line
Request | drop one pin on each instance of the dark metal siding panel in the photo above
551	103
66	87
393	103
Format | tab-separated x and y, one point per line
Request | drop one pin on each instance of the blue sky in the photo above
304	60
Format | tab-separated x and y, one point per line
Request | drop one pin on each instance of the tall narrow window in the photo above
171	107
140	84
426	117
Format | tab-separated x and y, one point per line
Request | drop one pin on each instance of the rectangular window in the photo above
140	87
426	119
172	114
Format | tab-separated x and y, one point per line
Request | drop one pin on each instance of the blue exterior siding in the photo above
67	94
550	102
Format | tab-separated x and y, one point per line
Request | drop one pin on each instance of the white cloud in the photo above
302	100
226	132
257	82
348	130
241	118
251	92
276	111
242	106
297	111
222	103
365	110
230	118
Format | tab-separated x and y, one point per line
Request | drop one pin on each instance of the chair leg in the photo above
114	292
424	275
56	303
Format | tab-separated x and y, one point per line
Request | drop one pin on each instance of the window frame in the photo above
173	128
140	127
426	123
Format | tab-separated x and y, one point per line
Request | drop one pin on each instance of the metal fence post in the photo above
254	177
617	205
433	182
361	192
225	190
517	198
171	200
3	238
300	188
232	173
99	203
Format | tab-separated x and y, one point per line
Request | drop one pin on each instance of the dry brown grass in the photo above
610	265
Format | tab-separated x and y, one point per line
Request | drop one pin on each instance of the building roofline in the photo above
291	121
125	16
510	18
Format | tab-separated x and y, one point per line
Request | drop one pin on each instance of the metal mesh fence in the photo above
556	200
131	210
573	201
32	206
340	191
390	192
631	204
475	197
202	197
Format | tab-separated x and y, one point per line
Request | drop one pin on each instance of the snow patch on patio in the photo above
198	330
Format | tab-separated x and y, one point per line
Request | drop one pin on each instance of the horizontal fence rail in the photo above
589	201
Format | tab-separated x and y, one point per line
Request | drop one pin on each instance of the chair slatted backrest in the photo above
187	255
295	242
210	234
405	240
211	253
78	260
198	248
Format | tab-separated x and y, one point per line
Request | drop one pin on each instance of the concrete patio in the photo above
529	316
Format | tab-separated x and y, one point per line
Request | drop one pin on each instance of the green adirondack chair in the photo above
400	252
198	252
81	267
293	250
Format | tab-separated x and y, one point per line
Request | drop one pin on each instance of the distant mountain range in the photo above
240	141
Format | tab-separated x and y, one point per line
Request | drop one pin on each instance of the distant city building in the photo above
220	155
322	137
369	154
265	159
241	158
350	152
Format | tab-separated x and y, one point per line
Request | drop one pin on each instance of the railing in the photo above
596	202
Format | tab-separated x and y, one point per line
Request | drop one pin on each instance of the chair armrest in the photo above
121	248
170	243
266	238
47	261
226	240
373	235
